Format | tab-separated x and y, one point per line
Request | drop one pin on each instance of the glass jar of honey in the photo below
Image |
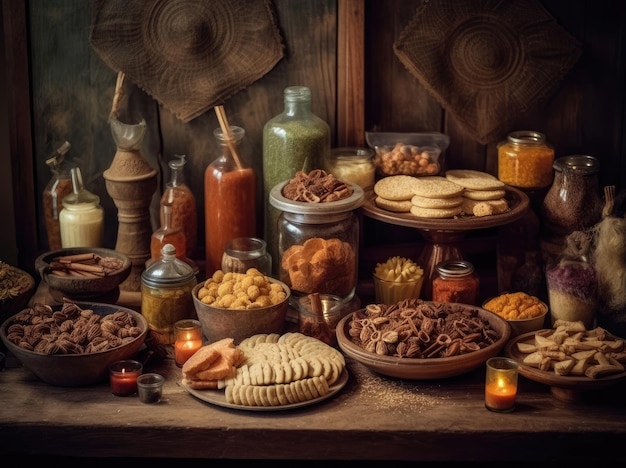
354	165
525	160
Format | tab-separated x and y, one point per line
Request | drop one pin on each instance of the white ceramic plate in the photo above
218	397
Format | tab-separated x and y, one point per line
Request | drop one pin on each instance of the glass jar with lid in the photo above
82	216
352	164
455	281
318	244
166	295
525	160
243	253
573	202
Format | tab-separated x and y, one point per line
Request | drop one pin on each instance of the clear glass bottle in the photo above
456	281
184	207
294	140
354	165
166	295
59	186
573	202
82	217
243	253
318	244
167	234
525	160
229	198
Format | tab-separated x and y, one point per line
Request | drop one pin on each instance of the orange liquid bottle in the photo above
167	234
229	199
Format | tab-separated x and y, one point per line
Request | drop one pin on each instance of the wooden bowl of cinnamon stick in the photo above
83	272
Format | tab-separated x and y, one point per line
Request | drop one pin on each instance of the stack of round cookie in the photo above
483	194
459	192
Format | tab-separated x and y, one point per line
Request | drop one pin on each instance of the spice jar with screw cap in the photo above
525	160
456	281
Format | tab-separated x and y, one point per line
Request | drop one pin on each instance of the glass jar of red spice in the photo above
456	281
525	160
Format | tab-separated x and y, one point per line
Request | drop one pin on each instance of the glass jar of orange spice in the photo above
456	281
525	160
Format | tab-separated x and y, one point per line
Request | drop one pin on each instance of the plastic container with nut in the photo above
318	243
414	154
525	160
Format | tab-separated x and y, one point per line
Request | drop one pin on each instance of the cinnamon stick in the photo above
77	258
97	269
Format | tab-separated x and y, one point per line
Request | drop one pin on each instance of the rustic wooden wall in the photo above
71	91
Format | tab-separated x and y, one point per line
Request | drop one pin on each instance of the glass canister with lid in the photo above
166	295
318	244
352	164
456	281
525	160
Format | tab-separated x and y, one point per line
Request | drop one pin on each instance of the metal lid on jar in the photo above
168	271
526	137
454	268
350	203
580	163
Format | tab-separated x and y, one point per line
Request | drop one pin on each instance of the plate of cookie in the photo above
459	201
279	372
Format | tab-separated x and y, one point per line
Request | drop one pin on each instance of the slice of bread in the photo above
206	356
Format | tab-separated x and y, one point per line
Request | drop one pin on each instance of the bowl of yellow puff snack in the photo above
524	312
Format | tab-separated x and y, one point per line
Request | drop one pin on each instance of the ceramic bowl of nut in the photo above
80	355
524	313
381	338
261	309
82	273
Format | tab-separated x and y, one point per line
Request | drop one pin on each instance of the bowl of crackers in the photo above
239	305
524	312
73	344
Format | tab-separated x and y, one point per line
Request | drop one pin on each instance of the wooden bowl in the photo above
77	288
218	323
425	368
73	370
20	297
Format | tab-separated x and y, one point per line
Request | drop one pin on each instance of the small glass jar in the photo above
319	319
243	253
456	281
318	244
572	289
525	160
573	202
82	217
166	295
354	165
59	186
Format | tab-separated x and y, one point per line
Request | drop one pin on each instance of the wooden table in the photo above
373	417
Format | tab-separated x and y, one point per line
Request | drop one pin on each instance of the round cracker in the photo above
425	202
398	187
436	187
397	206
435	212
484	194
474	180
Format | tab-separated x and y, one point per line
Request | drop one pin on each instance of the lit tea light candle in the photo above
501	384
123	377
188	340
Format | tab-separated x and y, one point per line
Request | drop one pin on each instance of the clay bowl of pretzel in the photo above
82	273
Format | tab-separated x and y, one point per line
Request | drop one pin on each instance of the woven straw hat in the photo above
486	62
190	55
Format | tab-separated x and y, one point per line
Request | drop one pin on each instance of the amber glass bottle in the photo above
167	234
184	207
